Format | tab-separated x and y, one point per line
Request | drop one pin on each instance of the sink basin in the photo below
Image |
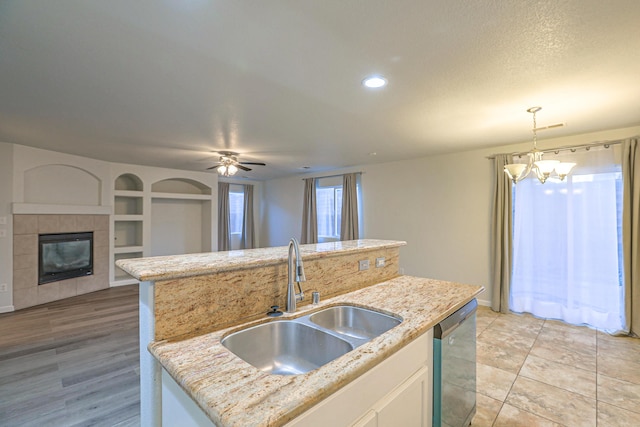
354	322
286	347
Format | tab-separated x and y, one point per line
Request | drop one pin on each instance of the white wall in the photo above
440	205
29	163
281	213
6	242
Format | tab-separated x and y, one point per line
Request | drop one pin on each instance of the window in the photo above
329	212
567	248
236	209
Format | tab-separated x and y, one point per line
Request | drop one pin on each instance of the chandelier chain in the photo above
535	135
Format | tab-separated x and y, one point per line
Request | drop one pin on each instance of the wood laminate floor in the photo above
73	362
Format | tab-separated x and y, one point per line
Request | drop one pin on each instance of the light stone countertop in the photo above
178	266
235	394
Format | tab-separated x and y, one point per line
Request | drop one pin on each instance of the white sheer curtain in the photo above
567	261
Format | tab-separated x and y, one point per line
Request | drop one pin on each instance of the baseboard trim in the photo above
7	309
484	303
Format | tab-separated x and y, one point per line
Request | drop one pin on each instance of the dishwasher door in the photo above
454	368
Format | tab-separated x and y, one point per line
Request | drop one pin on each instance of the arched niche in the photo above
61	185
128	182
180	186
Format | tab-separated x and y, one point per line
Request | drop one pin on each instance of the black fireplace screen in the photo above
64	256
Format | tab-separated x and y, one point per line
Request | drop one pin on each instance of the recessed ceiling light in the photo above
374	82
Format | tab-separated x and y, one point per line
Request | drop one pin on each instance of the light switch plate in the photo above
3	287
3	233
363	264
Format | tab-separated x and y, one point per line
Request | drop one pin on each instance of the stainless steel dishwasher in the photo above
454	368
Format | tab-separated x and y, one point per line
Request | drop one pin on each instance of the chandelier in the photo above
543	169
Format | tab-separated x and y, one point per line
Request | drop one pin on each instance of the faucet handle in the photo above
315	297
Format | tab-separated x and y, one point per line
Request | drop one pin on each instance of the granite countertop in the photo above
178	266
233	393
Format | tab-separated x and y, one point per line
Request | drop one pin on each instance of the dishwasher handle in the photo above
451	323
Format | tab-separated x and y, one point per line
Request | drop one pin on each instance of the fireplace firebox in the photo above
64	256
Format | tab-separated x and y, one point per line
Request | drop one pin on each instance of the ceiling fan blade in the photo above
244	168
214	167
253	163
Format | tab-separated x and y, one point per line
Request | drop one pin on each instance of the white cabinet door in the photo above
352	404
407	405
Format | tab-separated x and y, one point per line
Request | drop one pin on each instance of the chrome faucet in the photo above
292	296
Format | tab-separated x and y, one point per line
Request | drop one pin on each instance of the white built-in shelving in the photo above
161	217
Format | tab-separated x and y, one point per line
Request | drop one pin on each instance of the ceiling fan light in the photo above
227	170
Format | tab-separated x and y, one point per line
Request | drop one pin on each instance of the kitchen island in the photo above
233	393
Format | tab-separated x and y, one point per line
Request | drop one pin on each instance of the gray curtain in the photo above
501	235
224	238
631	234
309	213
349	220
248	230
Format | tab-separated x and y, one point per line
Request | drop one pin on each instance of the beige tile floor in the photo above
535	372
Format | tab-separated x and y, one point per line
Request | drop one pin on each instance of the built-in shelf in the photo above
178	196
128	193
119	275
180	186
127	250
128	182
128	218
127	233
179	207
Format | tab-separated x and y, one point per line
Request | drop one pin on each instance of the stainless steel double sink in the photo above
297	346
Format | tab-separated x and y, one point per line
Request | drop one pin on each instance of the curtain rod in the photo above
332	176
606	144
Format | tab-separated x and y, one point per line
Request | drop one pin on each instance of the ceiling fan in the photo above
229	164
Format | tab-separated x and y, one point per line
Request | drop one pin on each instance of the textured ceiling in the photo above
165	83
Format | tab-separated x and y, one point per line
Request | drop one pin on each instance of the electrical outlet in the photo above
363	264
3	220
3	233
379	262
3	287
